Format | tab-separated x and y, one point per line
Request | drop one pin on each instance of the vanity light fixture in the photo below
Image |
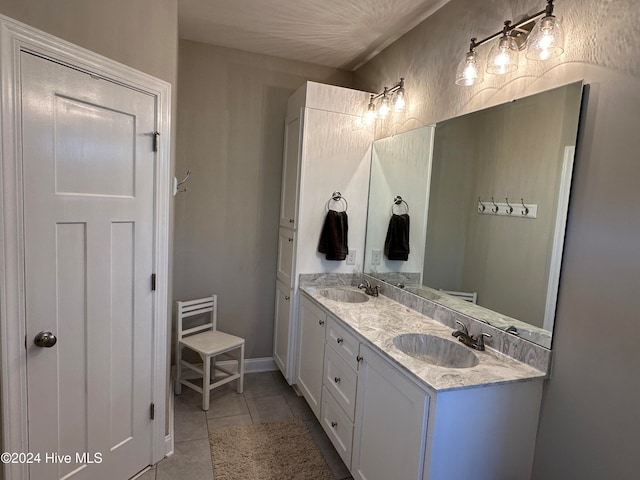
389	100
543	39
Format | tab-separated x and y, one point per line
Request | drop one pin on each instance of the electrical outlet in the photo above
351	258
376	257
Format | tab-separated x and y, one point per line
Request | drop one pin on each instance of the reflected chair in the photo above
208	342
471	297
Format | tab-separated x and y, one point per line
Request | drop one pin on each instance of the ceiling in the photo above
335	33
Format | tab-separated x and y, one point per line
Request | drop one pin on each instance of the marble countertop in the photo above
380	319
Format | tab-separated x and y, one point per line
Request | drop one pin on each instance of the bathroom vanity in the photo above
392	415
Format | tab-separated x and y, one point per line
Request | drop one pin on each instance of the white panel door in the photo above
88	179
311	353
282	328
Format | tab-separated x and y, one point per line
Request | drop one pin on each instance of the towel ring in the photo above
337	197
398	201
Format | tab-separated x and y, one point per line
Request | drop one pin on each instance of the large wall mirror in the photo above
471	212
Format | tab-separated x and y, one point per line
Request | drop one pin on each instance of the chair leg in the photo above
178	386
206	381
241	370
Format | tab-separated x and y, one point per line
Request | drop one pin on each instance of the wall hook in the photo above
509	208
481	206
495	206
526	209
177	184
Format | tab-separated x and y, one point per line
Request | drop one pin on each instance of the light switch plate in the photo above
351	258
376	257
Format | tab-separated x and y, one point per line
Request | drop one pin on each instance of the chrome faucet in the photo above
374	291
469	340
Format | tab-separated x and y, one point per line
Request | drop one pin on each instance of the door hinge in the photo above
153	281
156	140
152	411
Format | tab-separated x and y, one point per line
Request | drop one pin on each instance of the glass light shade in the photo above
546	40
399	100
383	109
503	56
470	70
370	114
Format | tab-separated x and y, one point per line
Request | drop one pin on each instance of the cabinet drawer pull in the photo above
287	297
359	358
339	340
336	379
334	424
320	322
290	239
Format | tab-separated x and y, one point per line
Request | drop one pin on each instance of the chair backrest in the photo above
199	306
468	296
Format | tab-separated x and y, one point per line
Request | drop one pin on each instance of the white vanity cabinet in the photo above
313	320
390	423
387	424
326	149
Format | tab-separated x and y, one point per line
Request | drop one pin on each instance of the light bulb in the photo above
546	40
470	71
370	114
503	57
399	101
383	109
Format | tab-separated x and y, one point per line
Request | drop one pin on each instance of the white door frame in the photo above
16	37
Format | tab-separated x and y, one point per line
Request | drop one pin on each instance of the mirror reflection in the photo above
471	212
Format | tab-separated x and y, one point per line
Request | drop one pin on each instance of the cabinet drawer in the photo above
341	380
338	427
344	342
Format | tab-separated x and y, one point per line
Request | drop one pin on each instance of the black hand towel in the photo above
333	238
396	245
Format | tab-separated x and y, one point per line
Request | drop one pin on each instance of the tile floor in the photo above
267	397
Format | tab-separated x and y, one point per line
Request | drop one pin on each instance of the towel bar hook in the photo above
495	206
509	207
336	197
177	184
398	200
526	209
481	206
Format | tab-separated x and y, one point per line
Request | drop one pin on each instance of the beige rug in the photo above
267	451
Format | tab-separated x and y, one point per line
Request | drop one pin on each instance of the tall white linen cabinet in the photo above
327	149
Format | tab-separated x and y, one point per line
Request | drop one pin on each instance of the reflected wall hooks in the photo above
528	210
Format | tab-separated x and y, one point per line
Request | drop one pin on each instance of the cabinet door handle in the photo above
339	340
291	220
336	379
287	297
290	239
320	322
334	424
359	358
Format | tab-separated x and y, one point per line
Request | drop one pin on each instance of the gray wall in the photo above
587	427
230	133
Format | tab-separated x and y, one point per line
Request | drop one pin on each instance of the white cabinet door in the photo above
312	322
286	251
390	424
290	168
282	328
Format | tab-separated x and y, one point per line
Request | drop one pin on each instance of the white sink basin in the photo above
343	295
435	350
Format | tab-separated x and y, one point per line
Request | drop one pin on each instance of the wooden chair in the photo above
208	342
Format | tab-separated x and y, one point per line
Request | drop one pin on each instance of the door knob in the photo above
45	340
